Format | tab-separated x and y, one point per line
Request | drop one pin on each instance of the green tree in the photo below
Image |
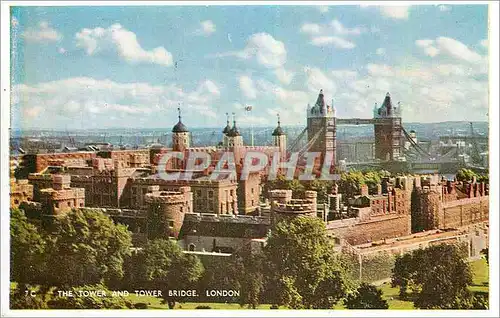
85	247
322	188
27	247
402	274
372	179
366	297
21	298
485	253
465	175
350	183
248	276
98	297
301	261
439	276
162	265
282	183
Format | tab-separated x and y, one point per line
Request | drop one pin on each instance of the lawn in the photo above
480	284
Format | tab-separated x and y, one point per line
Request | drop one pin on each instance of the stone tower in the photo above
284	207
279	138
321	131
180	135
166	210
234	138
225	132
387	130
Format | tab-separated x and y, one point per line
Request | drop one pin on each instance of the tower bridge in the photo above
387	149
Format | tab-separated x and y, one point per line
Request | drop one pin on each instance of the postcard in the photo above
249	158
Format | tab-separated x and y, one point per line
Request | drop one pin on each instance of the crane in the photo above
474	154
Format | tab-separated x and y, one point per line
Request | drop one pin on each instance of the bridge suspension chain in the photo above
311	142
414	144
296	141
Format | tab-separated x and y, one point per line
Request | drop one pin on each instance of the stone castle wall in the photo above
464	212
379	228
43	160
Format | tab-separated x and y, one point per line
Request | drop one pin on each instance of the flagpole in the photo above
248	109
251	128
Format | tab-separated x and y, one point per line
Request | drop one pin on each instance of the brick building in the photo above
60	198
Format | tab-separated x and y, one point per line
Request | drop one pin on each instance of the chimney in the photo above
364	190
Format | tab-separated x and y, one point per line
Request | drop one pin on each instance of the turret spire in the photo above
179	127
278	131
227	129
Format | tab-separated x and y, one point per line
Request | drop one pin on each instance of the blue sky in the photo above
97	67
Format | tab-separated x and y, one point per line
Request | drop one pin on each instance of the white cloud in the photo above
429	91
380	51
268	51
444	8
311	28
247	87
122	41
395	12
379	70
484	43
317	80
207	27
424	43
89	103
457	49
284	76
431	51
323	9
344	74
332	40
342	30
61	50
451	48
333	33
43	33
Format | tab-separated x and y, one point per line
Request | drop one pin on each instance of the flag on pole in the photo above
248	108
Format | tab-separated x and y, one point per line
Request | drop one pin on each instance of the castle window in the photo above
252	191
210	194
191	247
16	201
171	223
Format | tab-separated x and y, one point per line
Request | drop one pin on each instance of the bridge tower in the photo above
388	130
321	131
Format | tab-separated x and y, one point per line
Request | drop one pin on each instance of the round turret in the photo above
278	131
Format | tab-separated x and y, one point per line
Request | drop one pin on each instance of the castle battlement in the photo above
40	177
64	194
226	218
166	197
